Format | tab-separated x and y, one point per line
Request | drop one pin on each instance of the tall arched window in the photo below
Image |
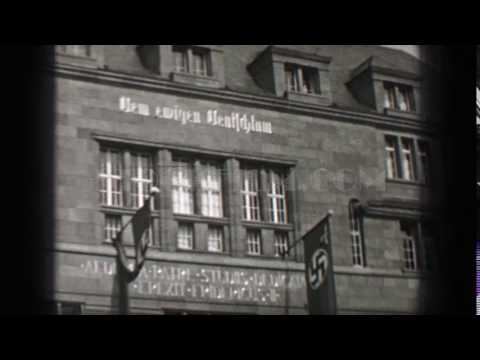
356	234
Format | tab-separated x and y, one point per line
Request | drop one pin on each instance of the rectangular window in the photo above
76	50
185	236
424	158
110	178
399	97
408	160
280	243
182	187
142	178
301	79
429	238
250	196
215	239
192	60
358	255
409	234
113	225
200	62
180	55
211	189
391	154
254	242
277	197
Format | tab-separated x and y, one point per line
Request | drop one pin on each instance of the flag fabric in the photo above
319	269
139	224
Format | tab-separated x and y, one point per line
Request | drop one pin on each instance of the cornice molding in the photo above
107	137
278	50
332	112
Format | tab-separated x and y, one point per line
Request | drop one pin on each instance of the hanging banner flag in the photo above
319	270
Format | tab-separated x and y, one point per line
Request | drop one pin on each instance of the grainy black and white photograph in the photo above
246	180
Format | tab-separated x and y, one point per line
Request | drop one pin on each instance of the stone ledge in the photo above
247	99
308	98
403	114
196	80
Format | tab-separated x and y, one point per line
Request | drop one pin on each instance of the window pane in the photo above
181	59
409	233
110	176
182	188
358	255
215	239
113	225
185	236
254	242
390	102
200	63
408	160
391	157
211	184
424	156
250	194
142	178
277	197
280	243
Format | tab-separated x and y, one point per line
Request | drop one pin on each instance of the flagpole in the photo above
296	242
287	283
122	283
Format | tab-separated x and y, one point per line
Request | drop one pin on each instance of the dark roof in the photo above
344	60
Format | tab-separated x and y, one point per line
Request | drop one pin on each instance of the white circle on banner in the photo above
317	270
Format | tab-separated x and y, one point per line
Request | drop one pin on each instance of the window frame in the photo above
276	200
110	177
393	94
281	242
356	235
419	175
112	223
189	55
211	196
190	238
220	240
250	190
410	246
301	77
137	181
255	244
185	187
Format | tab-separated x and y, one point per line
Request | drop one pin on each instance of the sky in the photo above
412	49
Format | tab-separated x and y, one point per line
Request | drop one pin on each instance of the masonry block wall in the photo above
336	160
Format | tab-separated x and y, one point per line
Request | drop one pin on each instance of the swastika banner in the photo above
319	270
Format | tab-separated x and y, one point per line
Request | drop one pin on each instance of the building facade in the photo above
251	146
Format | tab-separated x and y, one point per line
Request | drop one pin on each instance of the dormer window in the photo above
80	55
295	75
399	97
191	60
390	89
301	79
75	50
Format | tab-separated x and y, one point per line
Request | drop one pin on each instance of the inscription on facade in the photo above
200	283
235	121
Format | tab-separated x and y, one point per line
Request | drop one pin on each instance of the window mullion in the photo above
127	186
399	158
108	170
190	65
300	79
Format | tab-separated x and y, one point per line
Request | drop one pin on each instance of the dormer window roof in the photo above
293	74
387	87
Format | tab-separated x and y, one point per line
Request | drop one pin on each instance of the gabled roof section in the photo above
393	67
